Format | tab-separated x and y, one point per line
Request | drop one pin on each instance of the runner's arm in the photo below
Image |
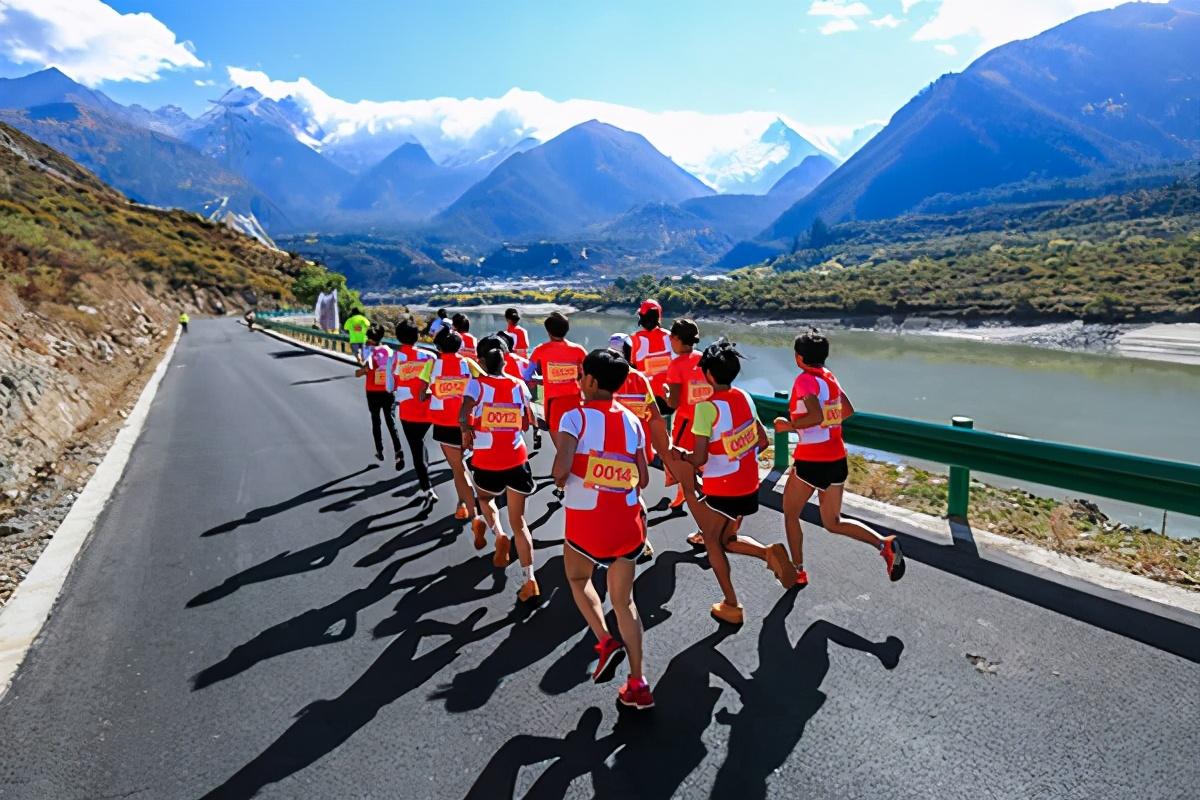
566	444
847	408
643	469
464	421
673	390
811	416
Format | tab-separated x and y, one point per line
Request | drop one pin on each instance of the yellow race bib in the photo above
409	370
611	472
380	377
558	372
636	403
656	365
831	414
500	417
698	392
741	442
447	388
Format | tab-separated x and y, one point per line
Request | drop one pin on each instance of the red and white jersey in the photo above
521	348
732	466
652	357
468	346
406	366
694	387
447	376
822	442
605	515
517	366
376	360
498	417
561	365
636	395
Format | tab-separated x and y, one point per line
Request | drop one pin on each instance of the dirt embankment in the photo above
68	375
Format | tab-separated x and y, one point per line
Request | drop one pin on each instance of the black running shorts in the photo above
450	435
822	474
495	482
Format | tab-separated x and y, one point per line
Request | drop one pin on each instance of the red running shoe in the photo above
609	653
890	550
636	694
801	579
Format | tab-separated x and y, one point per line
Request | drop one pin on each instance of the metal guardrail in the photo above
1153	482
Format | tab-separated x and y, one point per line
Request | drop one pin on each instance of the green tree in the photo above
818	234
314	278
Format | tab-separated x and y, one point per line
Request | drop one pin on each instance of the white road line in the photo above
22	619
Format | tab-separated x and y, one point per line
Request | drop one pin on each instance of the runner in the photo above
635	394
818	408
462	325
443	381
686	386
404	377
559	362
376	360
652	353
184	319
520	368
519	334
728	438
356	325
601	460
496	409
437	324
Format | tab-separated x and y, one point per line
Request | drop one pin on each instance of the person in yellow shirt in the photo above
183	321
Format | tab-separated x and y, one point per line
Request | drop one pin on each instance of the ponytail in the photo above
490	351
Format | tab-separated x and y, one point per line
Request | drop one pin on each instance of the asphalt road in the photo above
263	611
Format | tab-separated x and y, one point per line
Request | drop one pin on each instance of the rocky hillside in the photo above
90	289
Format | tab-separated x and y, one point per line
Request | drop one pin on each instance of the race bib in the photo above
409	370
500	417
741	442
656	365
698	392
557	372
611	472
447	388
637	404
380	377
831	414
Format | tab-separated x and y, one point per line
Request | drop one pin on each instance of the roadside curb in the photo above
22	619
345	359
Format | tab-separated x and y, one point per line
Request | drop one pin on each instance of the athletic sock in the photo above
528	572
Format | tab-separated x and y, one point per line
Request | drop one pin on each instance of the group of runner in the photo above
607	415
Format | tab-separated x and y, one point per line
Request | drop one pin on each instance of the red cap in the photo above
649	305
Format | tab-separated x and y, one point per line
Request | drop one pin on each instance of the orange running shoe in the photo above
801	578
892	557
723	612
500	559
679	498
462	512
529	591
636	694
479	530
779	563
609	653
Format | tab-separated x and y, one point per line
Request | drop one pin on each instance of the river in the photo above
1102	401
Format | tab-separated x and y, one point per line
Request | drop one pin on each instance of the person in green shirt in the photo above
183	321
357	326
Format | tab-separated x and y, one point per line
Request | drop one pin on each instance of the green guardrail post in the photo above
960	479
783	456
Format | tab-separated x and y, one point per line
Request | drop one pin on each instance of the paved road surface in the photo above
262	610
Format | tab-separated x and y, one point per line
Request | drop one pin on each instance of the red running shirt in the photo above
822	442
561	365
652	357
498	418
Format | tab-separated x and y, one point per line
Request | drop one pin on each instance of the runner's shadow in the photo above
450	586
317	556
322	380
312	628
653	590
781	696
318	493
535	634
323	726
442	527
290	353
577	753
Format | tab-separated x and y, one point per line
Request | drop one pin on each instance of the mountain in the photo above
583	177
257	139
407	186
803	178
755	167
1058	105
51	86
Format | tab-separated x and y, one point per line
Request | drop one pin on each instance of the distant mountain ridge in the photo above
1056	105
581	178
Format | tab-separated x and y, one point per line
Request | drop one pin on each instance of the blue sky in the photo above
824	62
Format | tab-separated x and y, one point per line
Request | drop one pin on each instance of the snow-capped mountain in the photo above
755	167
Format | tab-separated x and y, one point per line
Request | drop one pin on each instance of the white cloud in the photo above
946	48
90	41
454	128
837	8
906	5
199	82
886	21
995	23
838	26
